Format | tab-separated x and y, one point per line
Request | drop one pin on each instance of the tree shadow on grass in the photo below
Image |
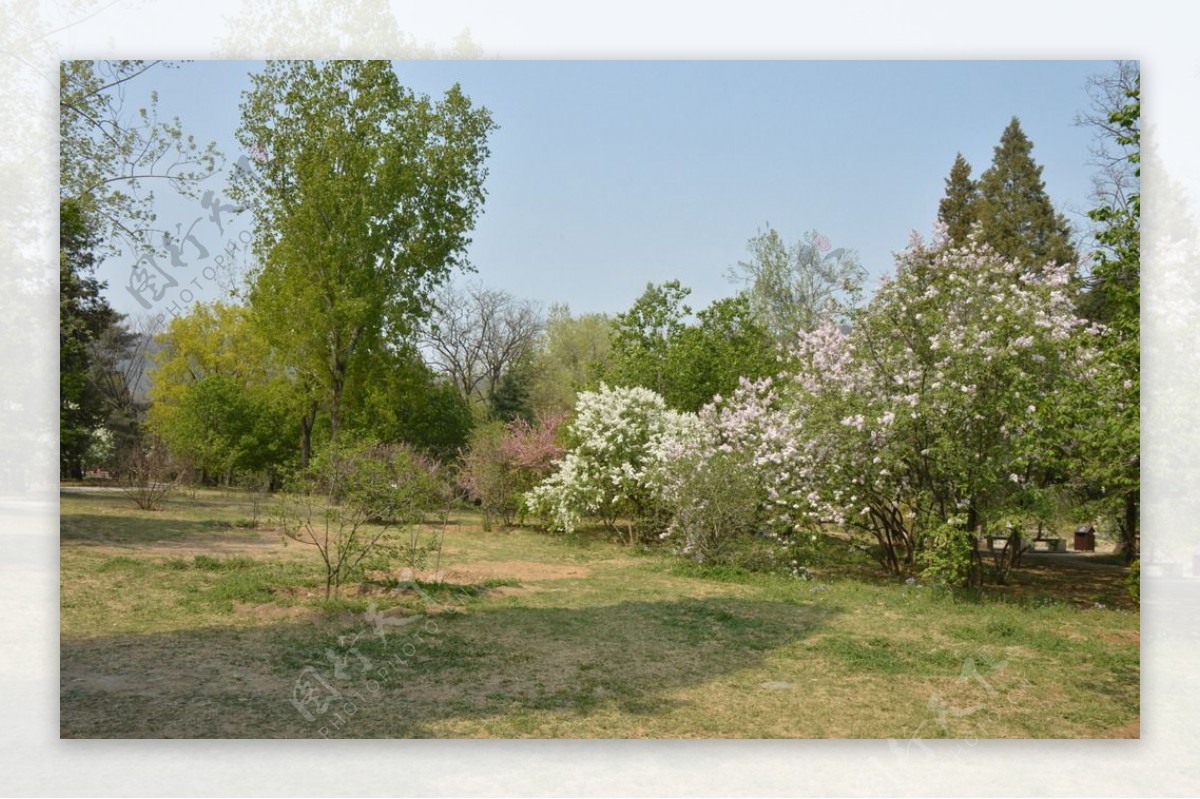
88	528
503	671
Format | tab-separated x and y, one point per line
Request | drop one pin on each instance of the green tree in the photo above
576	353
712	356
1109	412
643	336
1015	214
363	204
941	405
83	316
219	399
655	347
353	498
394	397
109	154
221	427
793	287
958	209
119	361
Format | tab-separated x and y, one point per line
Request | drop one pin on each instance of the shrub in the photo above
944	396
352	496
612	470
147	474
507	460
1133	580
946	556
713	502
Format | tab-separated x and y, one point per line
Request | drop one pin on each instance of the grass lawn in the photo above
194	621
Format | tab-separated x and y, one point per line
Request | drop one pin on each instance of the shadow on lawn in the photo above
86	528
418	676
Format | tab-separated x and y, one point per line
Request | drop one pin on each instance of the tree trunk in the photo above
306	426
1129	527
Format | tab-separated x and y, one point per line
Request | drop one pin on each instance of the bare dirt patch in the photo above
518	570
271	612
476	573
1121	636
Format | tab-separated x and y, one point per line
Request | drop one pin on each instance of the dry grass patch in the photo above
194	630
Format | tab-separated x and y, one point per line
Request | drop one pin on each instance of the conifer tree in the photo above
957	210
1015	213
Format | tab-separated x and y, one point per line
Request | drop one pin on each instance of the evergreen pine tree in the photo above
957	210
1016	214
84	315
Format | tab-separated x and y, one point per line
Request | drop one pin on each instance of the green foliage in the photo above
362	208
350	500
1133	581
957	210
713	504
488	478
220	400
1015	214
393	396
653	346
575	356
711	357
946	555
643	336
1107	409
220	427
510	400
793	287
83	315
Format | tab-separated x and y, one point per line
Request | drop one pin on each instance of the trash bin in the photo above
1085	538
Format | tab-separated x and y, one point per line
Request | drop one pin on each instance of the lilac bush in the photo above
613	470
937	405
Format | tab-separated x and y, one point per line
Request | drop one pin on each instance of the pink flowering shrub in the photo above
506	460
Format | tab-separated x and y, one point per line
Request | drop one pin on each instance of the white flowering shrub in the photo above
939	401
614	470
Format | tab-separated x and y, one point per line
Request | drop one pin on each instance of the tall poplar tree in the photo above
363	197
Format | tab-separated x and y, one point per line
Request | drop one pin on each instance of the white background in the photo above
33	761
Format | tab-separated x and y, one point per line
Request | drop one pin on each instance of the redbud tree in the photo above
505	461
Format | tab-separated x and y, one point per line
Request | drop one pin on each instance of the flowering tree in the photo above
507	460
936	406
612	471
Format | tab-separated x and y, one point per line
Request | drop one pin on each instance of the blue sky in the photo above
606	175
